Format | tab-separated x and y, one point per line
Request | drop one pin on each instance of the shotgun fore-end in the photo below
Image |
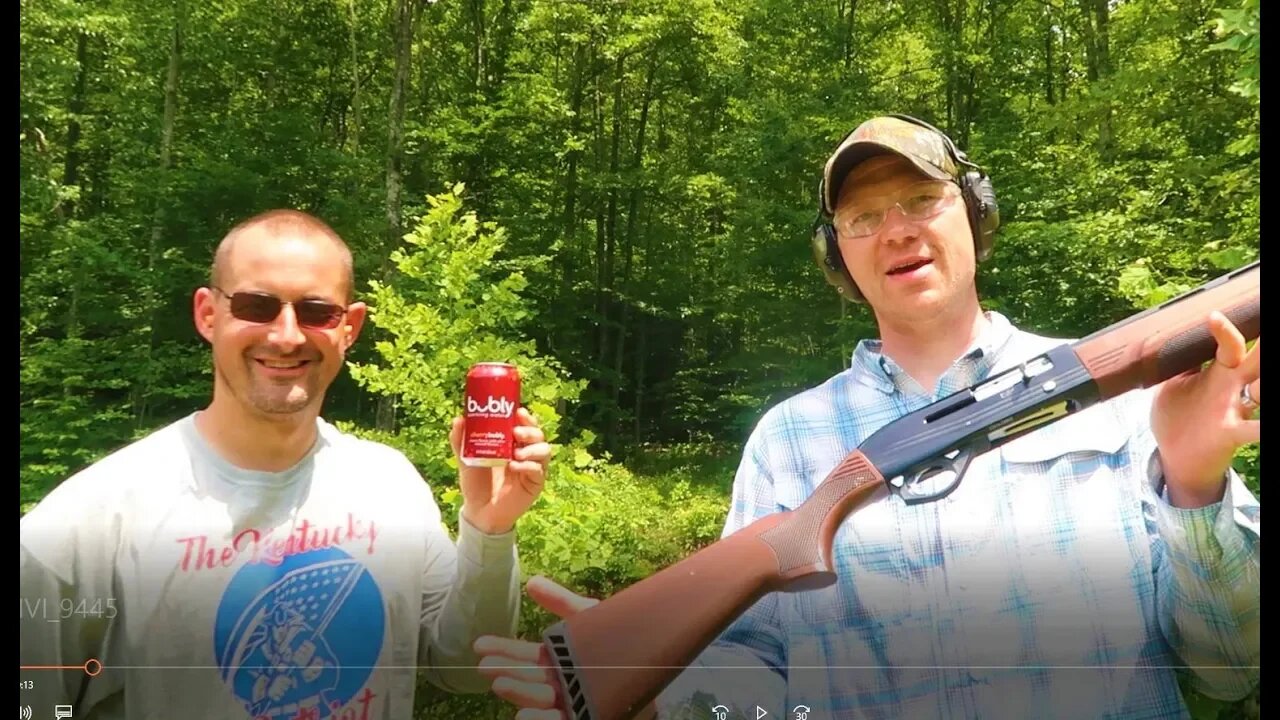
1171	338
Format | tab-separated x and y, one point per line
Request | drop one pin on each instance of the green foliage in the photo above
602	528
1240	29
454	301
74	413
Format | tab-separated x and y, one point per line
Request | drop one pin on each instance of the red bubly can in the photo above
492	398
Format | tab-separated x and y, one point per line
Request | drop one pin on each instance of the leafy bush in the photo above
453	302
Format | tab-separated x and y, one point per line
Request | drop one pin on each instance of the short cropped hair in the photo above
275	223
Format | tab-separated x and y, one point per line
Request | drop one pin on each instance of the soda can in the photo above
492	397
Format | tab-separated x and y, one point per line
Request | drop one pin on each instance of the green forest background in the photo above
614	194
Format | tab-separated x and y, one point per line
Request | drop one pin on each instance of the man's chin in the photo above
922	307
918	298
282	407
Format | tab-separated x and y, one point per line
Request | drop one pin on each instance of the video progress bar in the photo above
91	667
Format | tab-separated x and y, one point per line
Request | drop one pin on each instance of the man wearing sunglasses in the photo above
251	560
1076	572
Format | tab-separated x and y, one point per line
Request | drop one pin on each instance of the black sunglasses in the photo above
259	307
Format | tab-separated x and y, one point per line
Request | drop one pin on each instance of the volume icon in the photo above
24	712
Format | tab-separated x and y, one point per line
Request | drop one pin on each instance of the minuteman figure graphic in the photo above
283	662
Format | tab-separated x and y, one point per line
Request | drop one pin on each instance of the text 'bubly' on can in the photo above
491	399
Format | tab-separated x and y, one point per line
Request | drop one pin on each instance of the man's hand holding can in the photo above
501	449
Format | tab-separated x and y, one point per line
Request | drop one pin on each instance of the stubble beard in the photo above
272	398
280	398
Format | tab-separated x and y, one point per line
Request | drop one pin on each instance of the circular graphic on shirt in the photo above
299	639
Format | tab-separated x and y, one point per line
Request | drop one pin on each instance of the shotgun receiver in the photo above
615	657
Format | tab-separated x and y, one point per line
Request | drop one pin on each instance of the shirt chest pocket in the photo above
1086	450
1096	430
1065	506
1042	497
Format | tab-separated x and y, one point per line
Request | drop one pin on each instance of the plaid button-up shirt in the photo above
1055	582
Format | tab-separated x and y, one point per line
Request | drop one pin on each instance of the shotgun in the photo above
615	657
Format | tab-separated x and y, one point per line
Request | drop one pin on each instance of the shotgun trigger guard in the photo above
934	479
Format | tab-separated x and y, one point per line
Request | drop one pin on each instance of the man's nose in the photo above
285	330
896	226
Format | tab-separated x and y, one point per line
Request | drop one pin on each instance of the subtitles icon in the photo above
61	711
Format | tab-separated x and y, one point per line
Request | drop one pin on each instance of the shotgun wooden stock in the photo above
613	663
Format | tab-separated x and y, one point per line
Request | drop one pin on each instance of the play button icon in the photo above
760	712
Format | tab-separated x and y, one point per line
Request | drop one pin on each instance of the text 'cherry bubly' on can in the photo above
492	397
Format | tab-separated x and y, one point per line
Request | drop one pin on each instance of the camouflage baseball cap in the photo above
926	149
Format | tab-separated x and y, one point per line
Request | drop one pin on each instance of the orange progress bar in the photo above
91	667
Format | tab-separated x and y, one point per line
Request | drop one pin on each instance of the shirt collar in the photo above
871	366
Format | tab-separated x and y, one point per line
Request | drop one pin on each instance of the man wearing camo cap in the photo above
1070	572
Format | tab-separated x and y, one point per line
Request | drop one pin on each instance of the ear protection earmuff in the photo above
979	199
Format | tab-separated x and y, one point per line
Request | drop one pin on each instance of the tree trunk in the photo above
637	409
1065	84
71	163
1102	39
355	82
478	54
504	28
569	221
601	318
611	214
395	162
1101	15
71	168
642	337
395	129
1095	25
951	31
959	61
848	37
633	205
1049	68
153	299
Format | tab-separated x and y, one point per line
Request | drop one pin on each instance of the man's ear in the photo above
203	310
353	323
